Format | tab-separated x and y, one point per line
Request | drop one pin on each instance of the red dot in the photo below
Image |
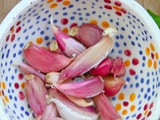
20	76
11	28
12	37
16	85
18	23
7	38
151	105
127	52
145	106
108	7
139	116
2	92
152	55
123	10
150	112
118	13
125	103
64	21
118	3
73	25
21	95
59	0
132	72
107	1
143	118
135	61
18	29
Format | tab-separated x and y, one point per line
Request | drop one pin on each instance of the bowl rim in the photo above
136	7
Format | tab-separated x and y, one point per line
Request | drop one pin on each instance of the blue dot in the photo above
117	44
125	44
27	37
140	52
142	89
37	22
120	51
117	37
14	55
21	115
149	97
143	64
131	85
46	38
133	43
42	32
21	45
55	21
65	13
63	8
144	58
72	17
140	102
93	12
142	80
145	96
14	46
10	84
87	14
139	96
148	90
27	113
134	115
33	33
128	17
80	18
15	98
137	85
153	93
113	98
99	16
46	11
112	51
123	29
127	117
22	108
136	77
125	86
136	38
128	79
111	20
14	112
117	23
70	6
38	17
10	97
19	52
15	105
2	55
139	45
129	36
44	19
139	108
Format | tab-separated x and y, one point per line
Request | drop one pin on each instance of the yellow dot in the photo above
127	63
148	52
54	5
146	112
3	85
152	47
94	22
66	2
105	24
49	1
116	8
132	108
149	63
4	102
155	64
157	56
0	93
124	112
65	30
132	97
121	96
118	107
23	85
39	40
6	98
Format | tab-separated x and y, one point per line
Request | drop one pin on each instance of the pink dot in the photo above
18	29
127	52
123	10
118	3
145	106
125	103
12	37
139	116
143	118
73	25
7	38
150	112
18	23
64	21
132	72
151	105
107	1
21	95
135	61
20	76
16	85
118	13
108	7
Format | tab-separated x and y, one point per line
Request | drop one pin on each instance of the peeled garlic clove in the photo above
53	46
52	77
103	68
88	34
88	59
118	68
84	89
68	45
70	111
80	101
112	85
105	108
50	112
44	60
27	70
36	94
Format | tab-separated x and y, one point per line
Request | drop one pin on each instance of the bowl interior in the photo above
134	42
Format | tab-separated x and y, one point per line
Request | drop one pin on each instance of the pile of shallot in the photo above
75	76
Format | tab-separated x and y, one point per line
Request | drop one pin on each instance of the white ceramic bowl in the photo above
137	33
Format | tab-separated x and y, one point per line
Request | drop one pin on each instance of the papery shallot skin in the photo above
44	60
88	59
36	94
87	33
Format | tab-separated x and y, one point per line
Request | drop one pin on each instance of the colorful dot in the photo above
18	29
155	64
118	13
145	107
118	106
121	96
156	55
127	52
18	23
132	97
20	76
3	85
132	108
152	47
124	112
12	37
23	85
4	102
151	105
135	61
150	112
149	63
49	1
21	95
65	30
94	22
64	21
146	112
108	7
39	40
123	10
125	103
148	52
107	1
66	2
54	5
105	24
132	72
16	85
6	98
73	25
127	63
118	3
117	8
139	116
7	38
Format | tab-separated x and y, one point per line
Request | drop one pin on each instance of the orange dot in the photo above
49	1
0	84
94	22
132	97
3	85
155	64
4	102
66	2
54	5
149	63
146	112
12	30
118	107
6	98
132	108
39	40
121	96
65	30
117	8
0	93
127	63
157	56
148	52
105	24
152	47
23	85
124	112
